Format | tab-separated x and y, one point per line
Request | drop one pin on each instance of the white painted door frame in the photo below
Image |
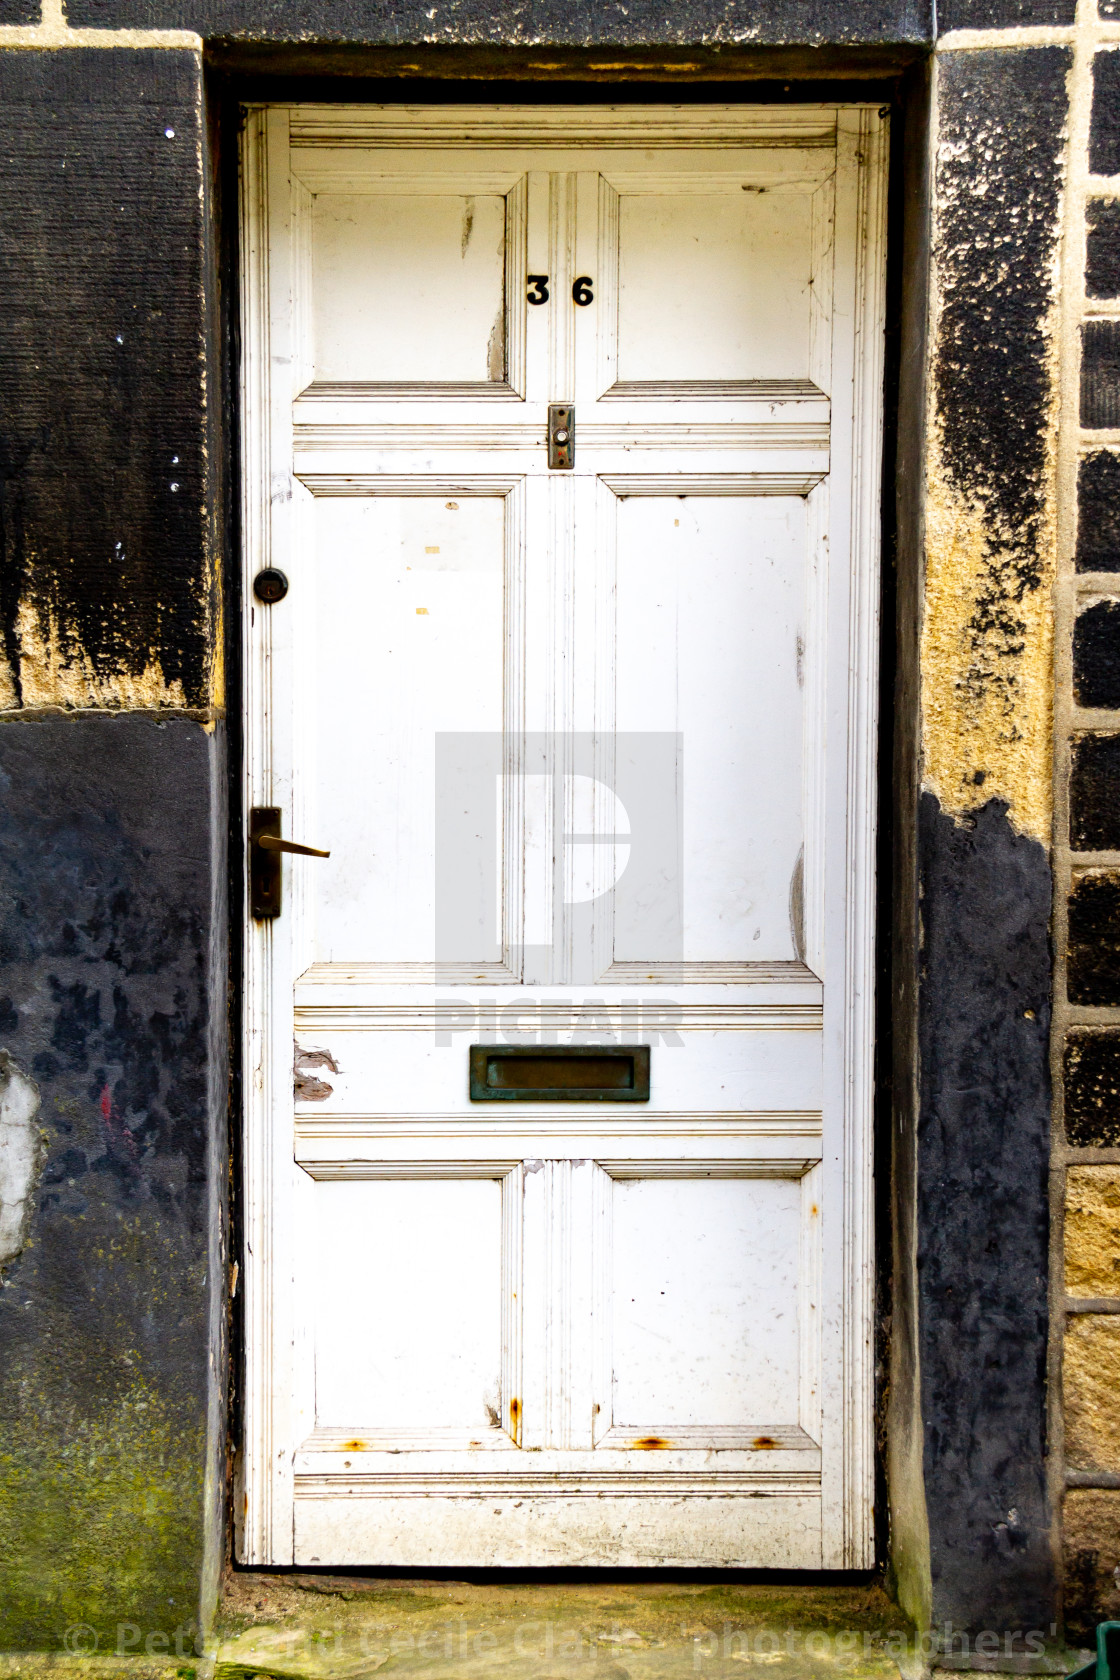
276	502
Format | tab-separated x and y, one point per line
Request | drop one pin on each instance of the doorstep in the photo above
340	1627
354	1627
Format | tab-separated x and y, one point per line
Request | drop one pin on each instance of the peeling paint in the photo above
307	1087
21	1156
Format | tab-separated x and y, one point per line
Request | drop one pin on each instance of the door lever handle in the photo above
273	843
266	869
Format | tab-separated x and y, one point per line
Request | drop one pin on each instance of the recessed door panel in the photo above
407	640
714	286
713	646
408	1306
707	1316
409	288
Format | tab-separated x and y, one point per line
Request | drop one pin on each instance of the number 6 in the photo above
581	291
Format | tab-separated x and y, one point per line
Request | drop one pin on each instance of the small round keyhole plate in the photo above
270	585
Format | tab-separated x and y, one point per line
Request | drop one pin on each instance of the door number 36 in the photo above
581	289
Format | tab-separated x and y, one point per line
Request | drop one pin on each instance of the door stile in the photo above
538	260
606	288
559	1197
513	1303
815	667
600	629
811	1409
516	268
265	1504
511	849
562	209
855	490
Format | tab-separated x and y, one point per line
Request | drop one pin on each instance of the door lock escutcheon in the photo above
561	435
266	868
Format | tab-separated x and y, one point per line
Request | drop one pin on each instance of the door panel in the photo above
591	751
705	1310
405	1340
433	265
409	640
714	286
712	639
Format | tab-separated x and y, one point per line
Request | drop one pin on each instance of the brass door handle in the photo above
266	870
273	843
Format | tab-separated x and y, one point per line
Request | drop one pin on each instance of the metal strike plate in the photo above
561	436
559	1073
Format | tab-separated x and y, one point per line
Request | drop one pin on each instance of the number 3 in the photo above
581	291
539	288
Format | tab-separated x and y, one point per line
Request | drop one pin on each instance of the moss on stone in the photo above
99	1519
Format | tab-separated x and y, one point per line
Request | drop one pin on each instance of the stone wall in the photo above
1085	1365
1001	1155
113	927
983	822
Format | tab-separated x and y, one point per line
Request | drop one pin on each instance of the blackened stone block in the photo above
1091	1069
112	997
1102	266
19	11
1098	512
1104	130
983	1215
1002	14
103	380
1094	794
1100	374
1093	954
1096	656
521	22
1001	118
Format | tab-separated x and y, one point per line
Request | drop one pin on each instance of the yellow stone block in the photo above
1091	1385
1092	1231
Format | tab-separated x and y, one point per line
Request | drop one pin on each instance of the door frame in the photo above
261	1151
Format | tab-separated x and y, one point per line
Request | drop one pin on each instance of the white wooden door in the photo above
591	747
